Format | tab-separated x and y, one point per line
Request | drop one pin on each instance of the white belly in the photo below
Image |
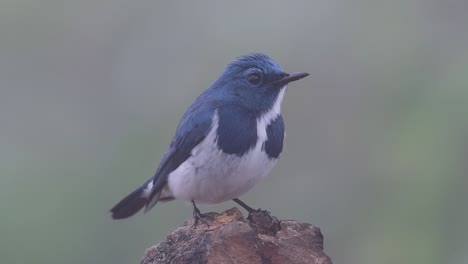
211	176
215	179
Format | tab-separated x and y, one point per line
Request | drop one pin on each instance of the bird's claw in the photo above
204	218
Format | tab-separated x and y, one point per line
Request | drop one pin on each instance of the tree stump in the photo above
230	238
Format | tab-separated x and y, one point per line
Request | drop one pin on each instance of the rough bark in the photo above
229	238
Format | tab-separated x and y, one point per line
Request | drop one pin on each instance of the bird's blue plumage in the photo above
275	133
237	130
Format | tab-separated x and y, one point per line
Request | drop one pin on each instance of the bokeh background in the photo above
376	153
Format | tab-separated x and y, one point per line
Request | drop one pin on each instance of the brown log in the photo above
230	238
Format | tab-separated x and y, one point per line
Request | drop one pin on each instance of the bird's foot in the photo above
203	218
198	216
263	222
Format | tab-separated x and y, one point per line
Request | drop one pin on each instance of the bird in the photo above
228	140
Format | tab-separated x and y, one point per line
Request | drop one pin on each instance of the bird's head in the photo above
255	81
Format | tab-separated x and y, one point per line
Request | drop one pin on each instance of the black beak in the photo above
291	78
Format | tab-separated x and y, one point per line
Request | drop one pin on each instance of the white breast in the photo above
211	176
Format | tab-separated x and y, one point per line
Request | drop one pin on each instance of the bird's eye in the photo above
254	78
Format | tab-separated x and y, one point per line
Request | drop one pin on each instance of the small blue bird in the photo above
228	140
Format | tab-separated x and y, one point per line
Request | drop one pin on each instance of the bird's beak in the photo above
291	78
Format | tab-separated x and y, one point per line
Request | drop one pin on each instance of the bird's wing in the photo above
193	128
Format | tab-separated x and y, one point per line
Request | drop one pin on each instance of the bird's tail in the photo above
135	201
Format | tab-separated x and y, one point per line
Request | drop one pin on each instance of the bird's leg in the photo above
246	207
197	215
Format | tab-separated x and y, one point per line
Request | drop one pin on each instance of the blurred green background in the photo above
376	151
